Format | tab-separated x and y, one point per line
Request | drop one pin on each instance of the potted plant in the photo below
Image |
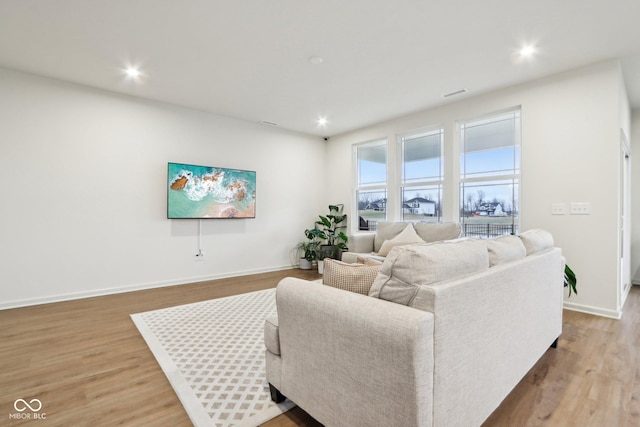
331	227
309	248
308	255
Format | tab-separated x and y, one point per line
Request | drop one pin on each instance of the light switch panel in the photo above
580	208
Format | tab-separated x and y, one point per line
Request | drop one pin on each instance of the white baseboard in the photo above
613	314
131	288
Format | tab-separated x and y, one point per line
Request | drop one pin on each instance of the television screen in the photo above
210	192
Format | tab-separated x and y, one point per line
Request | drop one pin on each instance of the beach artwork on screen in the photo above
210	192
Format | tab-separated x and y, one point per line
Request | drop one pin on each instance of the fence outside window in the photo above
477	230
489	230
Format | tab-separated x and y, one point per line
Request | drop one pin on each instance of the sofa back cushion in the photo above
435	232
505	249
428	232
387	231
536	240
407	270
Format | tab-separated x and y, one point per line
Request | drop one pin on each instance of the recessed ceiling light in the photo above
322	121
316	60
527	51
132	73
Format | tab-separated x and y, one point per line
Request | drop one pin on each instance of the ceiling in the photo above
250	59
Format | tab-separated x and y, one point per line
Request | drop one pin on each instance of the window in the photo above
421	186
490	175
371	183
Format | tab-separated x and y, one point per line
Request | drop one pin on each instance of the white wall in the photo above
570	144
84	192
635	197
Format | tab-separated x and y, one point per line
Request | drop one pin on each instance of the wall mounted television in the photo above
210	192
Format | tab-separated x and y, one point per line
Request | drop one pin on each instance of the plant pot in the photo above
305	264
321	267
333	252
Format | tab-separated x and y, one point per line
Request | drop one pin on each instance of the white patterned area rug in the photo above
213	355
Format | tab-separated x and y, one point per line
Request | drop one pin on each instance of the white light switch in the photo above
580	208
558	209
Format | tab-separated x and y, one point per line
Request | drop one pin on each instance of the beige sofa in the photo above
369	244
447	331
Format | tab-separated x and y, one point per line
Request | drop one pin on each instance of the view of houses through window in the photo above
371	183
422	177
489	175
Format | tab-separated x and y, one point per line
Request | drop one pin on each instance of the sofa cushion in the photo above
368	261
432	232
505	249
387	231
536	240
354	257
407	237
271	335
351	277
408	270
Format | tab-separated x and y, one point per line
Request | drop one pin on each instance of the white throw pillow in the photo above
407	237
386	231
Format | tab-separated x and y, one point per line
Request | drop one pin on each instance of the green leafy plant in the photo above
570	279
311	246
331	228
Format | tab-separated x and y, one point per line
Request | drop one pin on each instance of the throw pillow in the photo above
407	237
386	231
350	277
505	249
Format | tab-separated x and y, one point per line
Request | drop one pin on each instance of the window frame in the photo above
496	177
378	187
404	185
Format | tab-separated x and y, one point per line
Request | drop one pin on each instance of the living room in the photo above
86	167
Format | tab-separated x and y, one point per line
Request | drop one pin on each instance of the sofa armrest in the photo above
361	242
349	359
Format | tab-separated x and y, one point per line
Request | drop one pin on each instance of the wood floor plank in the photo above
87	363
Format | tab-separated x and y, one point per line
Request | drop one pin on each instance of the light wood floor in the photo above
87	363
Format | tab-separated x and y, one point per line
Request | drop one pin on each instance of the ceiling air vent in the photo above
268	123
457	92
